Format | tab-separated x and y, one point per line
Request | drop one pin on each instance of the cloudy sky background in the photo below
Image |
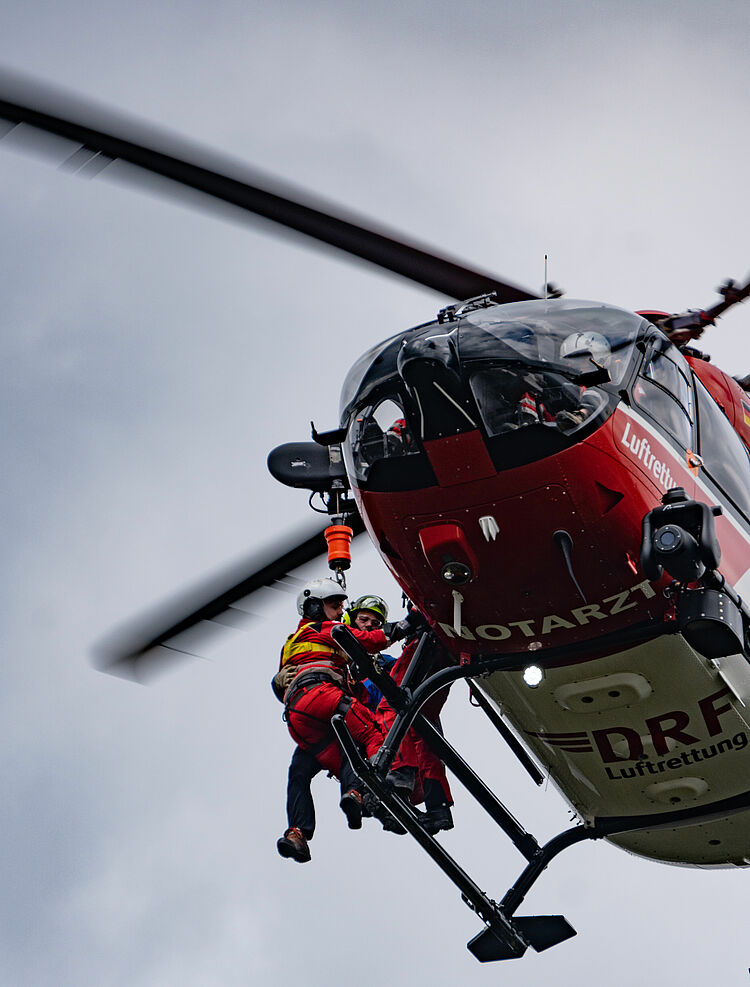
152	355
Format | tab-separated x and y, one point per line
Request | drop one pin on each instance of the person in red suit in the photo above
431	780
315	682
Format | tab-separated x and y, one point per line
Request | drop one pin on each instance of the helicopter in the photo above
552	517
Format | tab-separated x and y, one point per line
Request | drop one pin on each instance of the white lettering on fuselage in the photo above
641	449
664	733
541	626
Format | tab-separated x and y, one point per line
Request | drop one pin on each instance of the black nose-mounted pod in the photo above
680	537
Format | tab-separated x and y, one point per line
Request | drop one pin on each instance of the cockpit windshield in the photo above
539	362
554	368
508	401
567	336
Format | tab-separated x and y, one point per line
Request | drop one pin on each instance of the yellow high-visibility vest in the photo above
292	648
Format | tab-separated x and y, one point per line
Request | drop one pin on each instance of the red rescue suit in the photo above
414	751
321	687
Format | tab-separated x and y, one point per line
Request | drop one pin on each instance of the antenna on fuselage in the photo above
549	290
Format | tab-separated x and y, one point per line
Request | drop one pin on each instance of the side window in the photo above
725	458
663	371
664	392
379	432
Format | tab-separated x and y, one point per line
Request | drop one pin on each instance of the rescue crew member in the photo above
366	614
315	682
369	613
431	779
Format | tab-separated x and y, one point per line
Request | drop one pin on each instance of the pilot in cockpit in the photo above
578	346
546	392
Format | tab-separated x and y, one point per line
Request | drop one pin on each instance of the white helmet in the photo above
585	344
315	592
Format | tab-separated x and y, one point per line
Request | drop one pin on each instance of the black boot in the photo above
351	806
374	807
437	819
438	815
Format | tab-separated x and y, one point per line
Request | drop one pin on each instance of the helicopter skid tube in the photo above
522	840
502	938
506	935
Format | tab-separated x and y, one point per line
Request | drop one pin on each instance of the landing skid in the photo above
505	936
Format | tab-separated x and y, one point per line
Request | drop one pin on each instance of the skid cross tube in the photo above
421	661
536	866
604	826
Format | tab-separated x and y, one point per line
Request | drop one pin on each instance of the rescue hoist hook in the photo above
339	538
338	534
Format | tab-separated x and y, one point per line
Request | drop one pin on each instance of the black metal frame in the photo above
506	935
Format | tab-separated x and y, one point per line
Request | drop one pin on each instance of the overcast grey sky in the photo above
154	354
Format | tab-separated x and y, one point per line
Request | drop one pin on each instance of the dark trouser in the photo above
300	808
434	795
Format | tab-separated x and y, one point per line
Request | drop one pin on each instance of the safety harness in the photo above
309	676
292	675
311	680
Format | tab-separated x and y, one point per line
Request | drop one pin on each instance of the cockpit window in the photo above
725	458
508	401
570	336
379	432
662	390
670	371
532	363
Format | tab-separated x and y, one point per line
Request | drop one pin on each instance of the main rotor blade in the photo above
104	136
160	636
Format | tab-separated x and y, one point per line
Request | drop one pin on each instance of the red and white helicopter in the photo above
562	489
